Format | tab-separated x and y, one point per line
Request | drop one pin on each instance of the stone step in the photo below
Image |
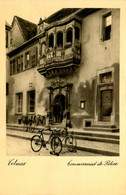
106	124
98	134
98	139
102	129
106	149
81	135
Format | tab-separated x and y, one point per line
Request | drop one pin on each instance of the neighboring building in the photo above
7	42
66	67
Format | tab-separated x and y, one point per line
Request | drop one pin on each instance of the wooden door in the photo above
106	105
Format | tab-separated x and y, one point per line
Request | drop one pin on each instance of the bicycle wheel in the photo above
56	145
36	143
71	143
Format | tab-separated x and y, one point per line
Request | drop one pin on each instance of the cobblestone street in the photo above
21	147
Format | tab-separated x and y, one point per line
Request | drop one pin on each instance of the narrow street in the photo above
22	147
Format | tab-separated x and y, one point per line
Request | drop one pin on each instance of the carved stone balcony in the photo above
60	61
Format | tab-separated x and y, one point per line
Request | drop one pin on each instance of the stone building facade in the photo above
66	68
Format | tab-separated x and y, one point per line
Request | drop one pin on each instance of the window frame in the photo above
104	36
27	62
82	102
51	35
57	39
28	102
69	30
19	103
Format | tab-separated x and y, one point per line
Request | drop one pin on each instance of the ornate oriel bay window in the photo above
61	50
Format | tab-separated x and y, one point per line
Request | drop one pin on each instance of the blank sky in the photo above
30	10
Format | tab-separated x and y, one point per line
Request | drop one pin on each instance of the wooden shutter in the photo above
33	56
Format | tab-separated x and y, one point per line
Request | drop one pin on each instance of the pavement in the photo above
106	144
22	147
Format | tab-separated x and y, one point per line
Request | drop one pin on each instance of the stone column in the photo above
73	41
64	38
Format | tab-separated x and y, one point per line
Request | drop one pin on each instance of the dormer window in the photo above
60	39
51	41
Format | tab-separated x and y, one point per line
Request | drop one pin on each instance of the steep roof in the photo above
60	14
7	26
29	29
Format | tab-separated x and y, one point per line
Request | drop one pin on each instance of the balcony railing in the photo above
60	61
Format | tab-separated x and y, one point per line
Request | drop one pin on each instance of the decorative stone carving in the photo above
57	83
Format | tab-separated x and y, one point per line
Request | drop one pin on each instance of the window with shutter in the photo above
27	58
18	64
33	57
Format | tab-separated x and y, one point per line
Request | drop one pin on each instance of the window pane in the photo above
69	35
60	39
27	60
51	41
19	102
108	20
77	33
31	101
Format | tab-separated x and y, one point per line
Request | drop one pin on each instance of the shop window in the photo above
19	102
31	101
69	36
77	33
27	57
60	39
82	104
107	22
51	41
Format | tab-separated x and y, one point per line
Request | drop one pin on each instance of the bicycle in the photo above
28	122
69	139
38	141
36	120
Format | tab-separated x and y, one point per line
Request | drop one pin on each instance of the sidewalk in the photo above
94	144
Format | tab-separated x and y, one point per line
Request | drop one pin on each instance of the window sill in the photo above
31	113
18	113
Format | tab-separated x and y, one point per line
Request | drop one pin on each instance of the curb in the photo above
96	151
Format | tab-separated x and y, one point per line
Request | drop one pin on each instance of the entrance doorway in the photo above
58	108
106	105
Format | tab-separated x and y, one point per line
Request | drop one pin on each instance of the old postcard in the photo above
62	97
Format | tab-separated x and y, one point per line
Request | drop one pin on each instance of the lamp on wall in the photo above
84	85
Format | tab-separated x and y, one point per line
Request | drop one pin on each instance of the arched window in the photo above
59	39
51	41
77	33
69	35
